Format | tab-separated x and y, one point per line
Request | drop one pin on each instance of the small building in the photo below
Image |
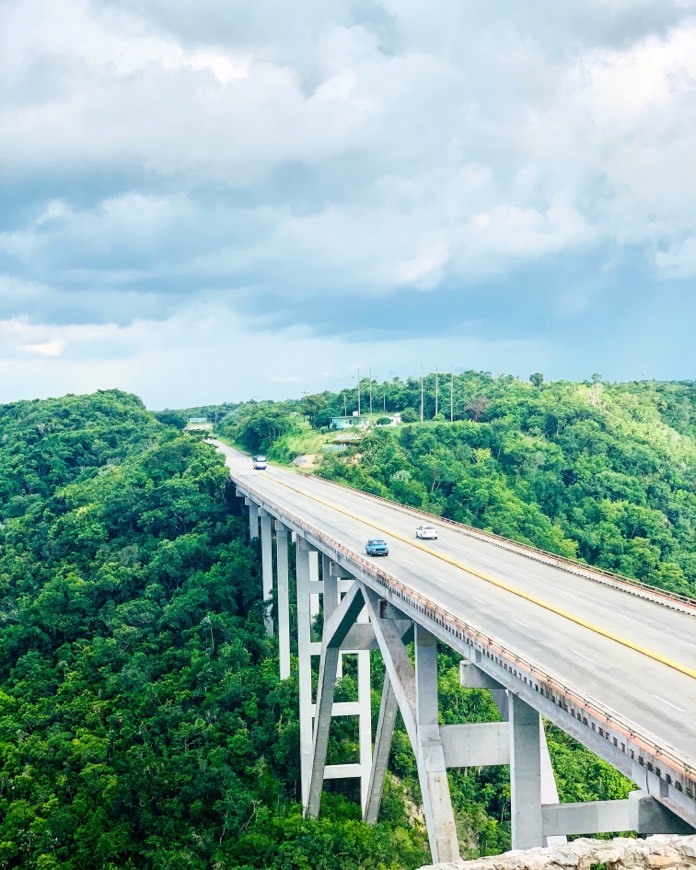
201	423
354	421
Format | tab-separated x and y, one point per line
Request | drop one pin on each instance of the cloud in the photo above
367	168
679	261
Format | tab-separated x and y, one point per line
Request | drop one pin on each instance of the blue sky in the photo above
222	200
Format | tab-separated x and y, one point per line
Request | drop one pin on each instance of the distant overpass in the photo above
611	662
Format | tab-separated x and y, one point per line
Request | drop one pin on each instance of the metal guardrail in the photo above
598	575
462	630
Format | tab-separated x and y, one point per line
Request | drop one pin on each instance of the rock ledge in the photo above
660	852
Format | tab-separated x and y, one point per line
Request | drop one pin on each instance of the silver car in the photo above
427	532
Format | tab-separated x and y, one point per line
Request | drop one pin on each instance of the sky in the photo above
233	199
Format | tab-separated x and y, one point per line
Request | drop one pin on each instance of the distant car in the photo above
260	463
376	547
427	533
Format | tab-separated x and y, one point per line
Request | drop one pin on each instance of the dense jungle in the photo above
142	722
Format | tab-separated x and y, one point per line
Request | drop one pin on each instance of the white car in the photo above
427	533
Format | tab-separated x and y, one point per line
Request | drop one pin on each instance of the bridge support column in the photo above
336	628
253	519
304	655
430	753
416	696
267	568
473	678
525	775
383	739
283	599
345	633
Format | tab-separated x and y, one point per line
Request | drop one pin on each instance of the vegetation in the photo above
141	719
142	723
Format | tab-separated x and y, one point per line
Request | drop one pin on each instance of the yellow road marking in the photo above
689	672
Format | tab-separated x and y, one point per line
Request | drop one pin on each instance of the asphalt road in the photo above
654	696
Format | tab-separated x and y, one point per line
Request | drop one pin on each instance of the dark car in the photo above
376	547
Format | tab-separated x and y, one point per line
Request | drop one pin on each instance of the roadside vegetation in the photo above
142	723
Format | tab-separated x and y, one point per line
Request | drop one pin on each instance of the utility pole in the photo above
358	392
422	395
437	390
370	389
452	395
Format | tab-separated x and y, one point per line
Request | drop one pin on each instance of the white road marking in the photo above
581	655
520	622
669	703
407	561
629	618
480	600
569	594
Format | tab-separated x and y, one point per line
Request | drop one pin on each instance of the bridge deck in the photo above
632	654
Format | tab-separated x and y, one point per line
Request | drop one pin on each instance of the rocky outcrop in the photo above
655	853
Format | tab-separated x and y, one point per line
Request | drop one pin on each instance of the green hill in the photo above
142	723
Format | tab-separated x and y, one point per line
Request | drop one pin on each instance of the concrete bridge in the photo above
608	660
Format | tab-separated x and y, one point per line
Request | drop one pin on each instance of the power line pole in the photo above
422	395
358	392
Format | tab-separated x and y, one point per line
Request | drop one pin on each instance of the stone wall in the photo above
660	852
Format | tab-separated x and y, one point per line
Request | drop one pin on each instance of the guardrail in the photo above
464	631
572	566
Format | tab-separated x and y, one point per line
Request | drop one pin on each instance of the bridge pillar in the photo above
416	696
344	633
267	568
388	709
283	599
304	655
472	677
253	519
331	599
442	832
525	775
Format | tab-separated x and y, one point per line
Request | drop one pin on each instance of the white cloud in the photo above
209	354
163	155
47	348
679	261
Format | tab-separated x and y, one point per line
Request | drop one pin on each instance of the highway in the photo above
634	656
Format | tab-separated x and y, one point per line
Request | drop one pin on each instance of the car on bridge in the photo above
427	532
376	547
260	463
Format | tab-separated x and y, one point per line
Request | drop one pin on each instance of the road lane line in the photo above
669	703
629	644
629	618
581	655
519	621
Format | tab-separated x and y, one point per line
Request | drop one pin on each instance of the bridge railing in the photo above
572	566
550	685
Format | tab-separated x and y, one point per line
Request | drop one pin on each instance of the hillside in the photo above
602	472
141	720
142	723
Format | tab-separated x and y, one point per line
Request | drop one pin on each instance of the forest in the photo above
142	722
